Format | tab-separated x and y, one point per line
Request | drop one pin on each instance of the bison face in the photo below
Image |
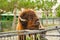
29	20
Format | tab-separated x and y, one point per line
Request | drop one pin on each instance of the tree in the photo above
26	4
58	11
9	6
6	5
46	6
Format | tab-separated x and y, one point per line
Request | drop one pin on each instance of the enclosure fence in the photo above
50	21
36	34
7	25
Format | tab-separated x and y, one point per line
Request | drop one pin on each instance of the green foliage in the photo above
58	11
26	4
43	15
45	5
9	6
50	15
3	4
28	38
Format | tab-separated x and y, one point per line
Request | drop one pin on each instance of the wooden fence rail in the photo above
36	34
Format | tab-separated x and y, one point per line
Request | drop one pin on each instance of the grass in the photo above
38	37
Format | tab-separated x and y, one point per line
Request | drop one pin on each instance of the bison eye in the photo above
24	23
37	23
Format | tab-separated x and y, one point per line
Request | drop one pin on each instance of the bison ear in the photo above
22	9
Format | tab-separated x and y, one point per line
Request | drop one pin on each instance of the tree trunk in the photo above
46	13
14	19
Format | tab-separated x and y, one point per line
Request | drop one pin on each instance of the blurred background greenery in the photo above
44	8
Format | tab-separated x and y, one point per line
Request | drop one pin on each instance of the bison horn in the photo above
22	19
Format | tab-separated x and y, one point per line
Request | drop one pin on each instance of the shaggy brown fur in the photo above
30	20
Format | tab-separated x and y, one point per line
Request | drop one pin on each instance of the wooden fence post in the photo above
53	20
21	37
42	37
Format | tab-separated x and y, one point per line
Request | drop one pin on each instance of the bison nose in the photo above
37	23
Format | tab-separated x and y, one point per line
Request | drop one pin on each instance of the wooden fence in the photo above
36	34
